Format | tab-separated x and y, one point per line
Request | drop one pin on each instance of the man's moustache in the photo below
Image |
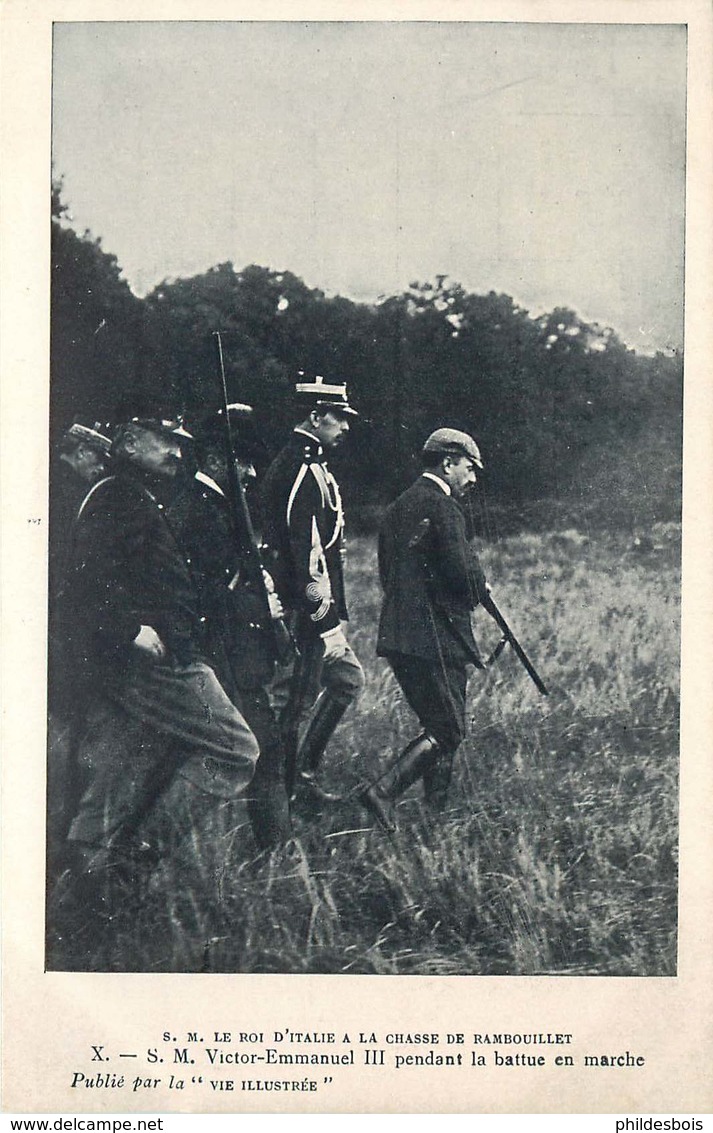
171	464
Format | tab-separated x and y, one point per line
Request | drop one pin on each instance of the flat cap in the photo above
452	441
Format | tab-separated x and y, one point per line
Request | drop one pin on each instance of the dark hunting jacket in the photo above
430	576
304	528
127	570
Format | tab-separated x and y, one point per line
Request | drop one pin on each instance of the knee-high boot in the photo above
436	781
268	801
413	763
321	727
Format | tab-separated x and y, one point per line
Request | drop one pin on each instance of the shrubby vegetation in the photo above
563	409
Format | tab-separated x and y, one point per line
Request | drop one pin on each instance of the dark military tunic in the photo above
240	642
67	688
127	571
67	491
304	528
149	719
237	637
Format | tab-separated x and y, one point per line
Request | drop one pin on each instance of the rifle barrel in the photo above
242	521
520	653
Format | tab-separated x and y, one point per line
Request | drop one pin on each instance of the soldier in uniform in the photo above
85	451
134	622
241	647
431	582
82	461
304	528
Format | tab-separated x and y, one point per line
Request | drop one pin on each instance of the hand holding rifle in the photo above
488	604
277	611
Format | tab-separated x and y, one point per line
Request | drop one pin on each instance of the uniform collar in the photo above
209	482
437	480
314	441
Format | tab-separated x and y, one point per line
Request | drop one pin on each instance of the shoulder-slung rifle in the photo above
249	552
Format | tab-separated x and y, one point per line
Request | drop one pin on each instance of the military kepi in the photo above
453	442
81	434
316	393
246	441
163	426
240	417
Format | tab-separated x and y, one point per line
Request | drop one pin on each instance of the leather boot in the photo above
290	743
106	880
319	732
412	764
268	799
436	781
269	811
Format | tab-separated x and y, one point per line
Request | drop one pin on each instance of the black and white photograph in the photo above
365	475
356	559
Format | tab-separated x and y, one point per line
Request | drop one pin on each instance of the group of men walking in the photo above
175	667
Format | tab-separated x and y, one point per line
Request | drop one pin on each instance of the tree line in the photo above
554	401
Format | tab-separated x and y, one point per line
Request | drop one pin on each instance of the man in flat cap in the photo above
241	646
134	620
431	582
304	527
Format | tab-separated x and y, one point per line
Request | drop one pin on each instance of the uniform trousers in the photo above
156	721
296	688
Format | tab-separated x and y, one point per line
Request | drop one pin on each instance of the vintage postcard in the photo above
357	557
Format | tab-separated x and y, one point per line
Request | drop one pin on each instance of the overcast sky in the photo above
545	161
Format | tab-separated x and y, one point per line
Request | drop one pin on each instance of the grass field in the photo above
558	853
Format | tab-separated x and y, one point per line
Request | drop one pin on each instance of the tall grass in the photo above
558	853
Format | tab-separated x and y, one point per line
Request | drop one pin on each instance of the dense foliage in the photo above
555	402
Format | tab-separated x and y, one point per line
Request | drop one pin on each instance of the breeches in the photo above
436	694
157	721
295	690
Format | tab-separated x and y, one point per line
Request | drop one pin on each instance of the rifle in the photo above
280	637
488	604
